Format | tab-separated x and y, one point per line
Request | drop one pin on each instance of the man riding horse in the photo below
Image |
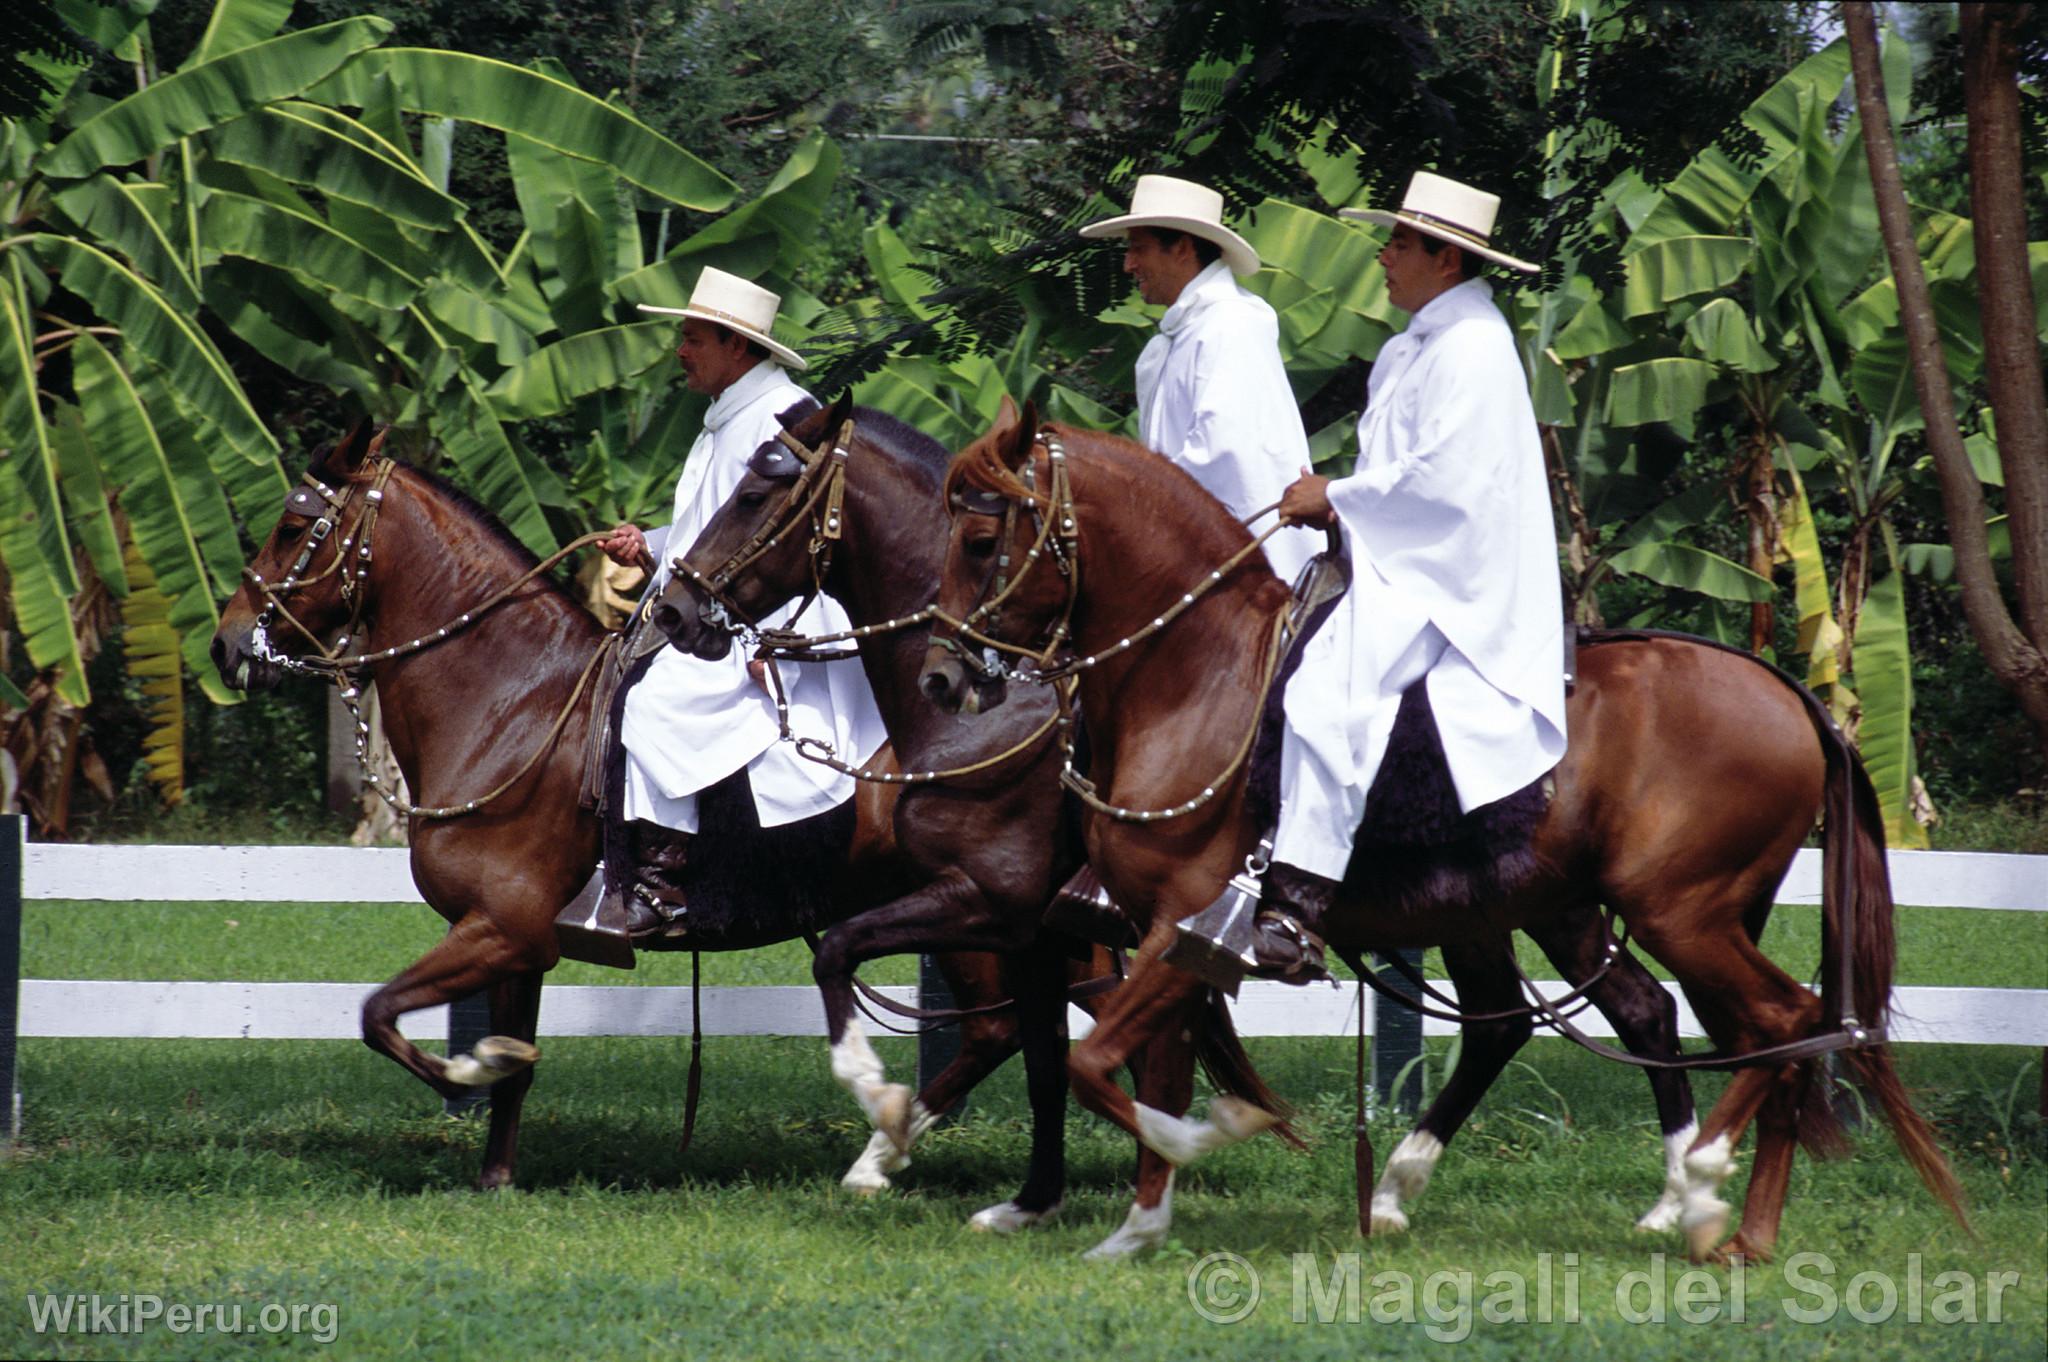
687	723
1447	516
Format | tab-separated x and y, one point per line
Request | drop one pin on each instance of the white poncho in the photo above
690	723
1447	517
1213	398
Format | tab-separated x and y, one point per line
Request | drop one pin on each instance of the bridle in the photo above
818	496
327	507
1057	528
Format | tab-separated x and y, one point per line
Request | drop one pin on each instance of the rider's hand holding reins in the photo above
627	546
1307	502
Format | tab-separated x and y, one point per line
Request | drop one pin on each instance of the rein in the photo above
327	507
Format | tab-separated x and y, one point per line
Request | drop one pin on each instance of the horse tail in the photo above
1856	903
1230	1069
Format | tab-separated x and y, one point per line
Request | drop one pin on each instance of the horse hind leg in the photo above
1037	980
1486	982
1645	1020
515	1013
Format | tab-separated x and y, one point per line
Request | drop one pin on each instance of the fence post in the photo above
13	829
936	1046
469	1021
1396	1039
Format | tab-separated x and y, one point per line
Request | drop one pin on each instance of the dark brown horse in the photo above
1692	777
464	715
1019	835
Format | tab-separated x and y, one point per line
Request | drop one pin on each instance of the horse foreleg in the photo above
515	1014
986	1042
472	956
951	914
1645	1020
1486	982
1037	979
1165	1083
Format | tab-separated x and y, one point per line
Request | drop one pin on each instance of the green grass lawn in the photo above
316	1173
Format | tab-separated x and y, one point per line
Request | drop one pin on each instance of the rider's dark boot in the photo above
659	858
1287	930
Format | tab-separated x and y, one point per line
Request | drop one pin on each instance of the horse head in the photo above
760	550
1006	584
304	583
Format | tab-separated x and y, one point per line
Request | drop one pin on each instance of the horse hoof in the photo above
1661	1217
892	1115
1009	1217
1389	1220
493	1059
1703	1227
1239	1119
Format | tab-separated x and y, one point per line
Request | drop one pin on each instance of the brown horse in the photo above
1692	777
884	568
464	714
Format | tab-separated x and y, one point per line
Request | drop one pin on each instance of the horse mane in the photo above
485	519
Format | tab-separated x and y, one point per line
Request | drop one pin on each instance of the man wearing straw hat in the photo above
1447	519
1212	394
688	723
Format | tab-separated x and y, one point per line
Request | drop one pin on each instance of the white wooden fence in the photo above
311	875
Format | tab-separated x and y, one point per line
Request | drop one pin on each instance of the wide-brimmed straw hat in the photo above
1182	206
738	306
1448	211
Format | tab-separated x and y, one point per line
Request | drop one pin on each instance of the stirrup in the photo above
584	931
1216	944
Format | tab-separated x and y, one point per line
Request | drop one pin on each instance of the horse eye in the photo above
749	500
981	546
288	530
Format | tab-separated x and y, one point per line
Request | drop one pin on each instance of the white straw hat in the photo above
738	306
1183	206
1448	211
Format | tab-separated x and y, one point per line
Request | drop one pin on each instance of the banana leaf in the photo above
297	144
169	511
210	94
295	328
25	434
1681	267
1692	569
495	469
1670	389
1721	332
151	649
537	106
1884	680
1799	545
235	224
86	497
1592	330
237	24
554	377
42	603
114	213
151	325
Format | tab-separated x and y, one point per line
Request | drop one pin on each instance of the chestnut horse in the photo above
884	568
1692	777
465	714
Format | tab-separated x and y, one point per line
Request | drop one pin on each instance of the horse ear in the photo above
1017	440
349	449
842	411
1006	416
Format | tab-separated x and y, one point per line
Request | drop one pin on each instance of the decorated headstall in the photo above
1055	533
325	507
817	497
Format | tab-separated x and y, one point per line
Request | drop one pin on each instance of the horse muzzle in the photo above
698	632
949	684
236	660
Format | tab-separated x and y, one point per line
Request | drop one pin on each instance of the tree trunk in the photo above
2017	661
2005	294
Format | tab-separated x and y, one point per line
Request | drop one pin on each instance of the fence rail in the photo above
314	875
